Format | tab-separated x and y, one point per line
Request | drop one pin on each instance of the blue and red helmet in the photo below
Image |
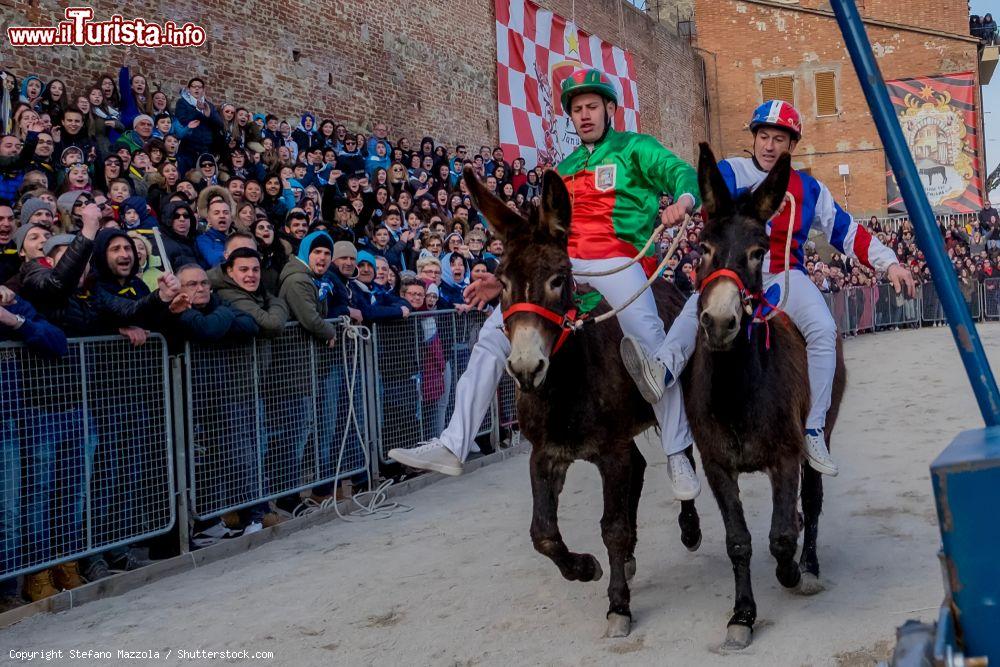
780	114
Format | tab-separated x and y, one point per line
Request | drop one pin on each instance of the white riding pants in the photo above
478	385
807	310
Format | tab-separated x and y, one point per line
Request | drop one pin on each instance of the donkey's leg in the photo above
688	519
726	489
784	521
812	505
618	533
638	468
547	477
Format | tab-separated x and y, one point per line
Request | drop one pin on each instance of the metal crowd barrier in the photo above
991	298
418	361
86	459
269	418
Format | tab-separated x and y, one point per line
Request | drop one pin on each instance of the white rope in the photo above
639	257
373	503
652	279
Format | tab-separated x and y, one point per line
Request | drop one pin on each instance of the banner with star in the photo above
536	50
939	119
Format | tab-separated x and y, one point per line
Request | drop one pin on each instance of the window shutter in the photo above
777	88
826	94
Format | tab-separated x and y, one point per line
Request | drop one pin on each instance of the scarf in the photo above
190	99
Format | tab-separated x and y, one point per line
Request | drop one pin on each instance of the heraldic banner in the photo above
939	120
536	50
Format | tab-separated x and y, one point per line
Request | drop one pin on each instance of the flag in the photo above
938	117
536	50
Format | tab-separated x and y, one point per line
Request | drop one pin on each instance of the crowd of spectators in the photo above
258	223
984	28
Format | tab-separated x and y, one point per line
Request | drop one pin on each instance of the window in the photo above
826	94
777	88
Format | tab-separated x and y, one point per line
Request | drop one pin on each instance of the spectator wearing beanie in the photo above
38	212
136	138
352	296
304	288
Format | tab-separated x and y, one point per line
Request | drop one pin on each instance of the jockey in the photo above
776	130
615	180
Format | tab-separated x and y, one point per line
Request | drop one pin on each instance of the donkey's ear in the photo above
503	221
555	209
769	197
714	191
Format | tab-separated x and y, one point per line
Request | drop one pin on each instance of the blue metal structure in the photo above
928	238
966	475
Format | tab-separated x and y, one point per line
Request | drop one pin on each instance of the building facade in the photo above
792	49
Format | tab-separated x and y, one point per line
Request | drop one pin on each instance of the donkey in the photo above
747	394
576	401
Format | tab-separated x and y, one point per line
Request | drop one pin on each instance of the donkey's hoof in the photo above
809	584
619	625
629	568
738	637
691	542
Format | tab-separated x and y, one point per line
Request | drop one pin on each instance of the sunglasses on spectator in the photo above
83	201
181	214
206	164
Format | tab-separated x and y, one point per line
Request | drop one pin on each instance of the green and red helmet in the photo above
587	81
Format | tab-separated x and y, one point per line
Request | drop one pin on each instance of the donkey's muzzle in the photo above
529	374
719	330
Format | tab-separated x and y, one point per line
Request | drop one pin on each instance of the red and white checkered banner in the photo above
536	50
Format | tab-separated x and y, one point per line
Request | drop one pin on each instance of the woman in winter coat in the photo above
178	227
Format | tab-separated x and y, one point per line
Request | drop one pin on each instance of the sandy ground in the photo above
456	582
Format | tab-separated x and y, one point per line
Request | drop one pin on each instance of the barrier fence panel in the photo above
860	308
837	303
991	298
893	310
85	450
418	361
932	312
270	417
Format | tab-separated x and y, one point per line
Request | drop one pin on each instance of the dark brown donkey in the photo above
578	402
747	395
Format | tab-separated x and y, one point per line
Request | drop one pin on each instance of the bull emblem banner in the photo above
939	120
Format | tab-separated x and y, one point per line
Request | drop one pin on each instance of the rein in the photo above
568	322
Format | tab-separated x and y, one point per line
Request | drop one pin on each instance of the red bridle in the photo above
566	322
745	296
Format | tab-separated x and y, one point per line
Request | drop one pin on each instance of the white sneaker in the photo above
817	453
430	455
683	477
254	527
648	374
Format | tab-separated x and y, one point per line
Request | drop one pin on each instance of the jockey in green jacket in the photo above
615	180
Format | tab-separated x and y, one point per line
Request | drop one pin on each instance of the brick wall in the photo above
749	41
427	67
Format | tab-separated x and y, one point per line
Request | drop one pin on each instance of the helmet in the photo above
775	113
587	81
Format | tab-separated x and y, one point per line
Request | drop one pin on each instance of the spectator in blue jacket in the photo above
351	298
19	322
215	205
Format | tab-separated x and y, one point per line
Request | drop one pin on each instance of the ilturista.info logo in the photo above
79	29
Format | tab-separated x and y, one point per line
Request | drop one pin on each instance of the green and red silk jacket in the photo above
615	194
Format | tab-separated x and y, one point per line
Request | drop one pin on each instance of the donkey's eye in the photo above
757	255
557	283
705	249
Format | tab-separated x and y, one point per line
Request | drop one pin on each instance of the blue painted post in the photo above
970	347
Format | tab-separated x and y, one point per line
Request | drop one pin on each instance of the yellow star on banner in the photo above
927	92
572	41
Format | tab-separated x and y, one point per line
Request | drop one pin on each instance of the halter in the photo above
566	322
753	302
